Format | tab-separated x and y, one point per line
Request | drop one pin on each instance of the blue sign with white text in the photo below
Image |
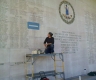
33	25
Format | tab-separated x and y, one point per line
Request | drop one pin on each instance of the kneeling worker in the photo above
49	43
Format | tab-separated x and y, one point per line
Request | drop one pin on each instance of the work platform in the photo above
31	58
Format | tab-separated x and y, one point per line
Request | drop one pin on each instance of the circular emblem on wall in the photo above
66	12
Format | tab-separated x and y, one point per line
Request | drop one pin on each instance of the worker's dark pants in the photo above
49	49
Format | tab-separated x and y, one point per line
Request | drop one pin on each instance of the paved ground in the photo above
84	78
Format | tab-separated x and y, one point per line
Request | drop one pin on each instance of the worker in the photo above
49	43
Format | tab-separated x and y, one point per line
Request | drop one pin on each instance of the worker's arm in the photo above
49	43
45	45
45	42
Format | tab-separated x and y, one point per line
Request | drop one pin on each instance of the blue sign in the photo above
33	25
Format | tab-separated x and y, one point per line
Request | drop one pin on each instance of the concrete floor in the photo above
85	78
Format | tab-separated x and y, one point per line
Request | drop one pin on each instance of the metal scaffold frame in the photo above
31	58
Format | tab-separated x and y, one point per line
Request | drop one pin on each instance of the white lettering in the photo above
33	25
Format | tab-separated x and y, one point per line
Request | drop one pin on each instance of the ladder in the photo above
61	66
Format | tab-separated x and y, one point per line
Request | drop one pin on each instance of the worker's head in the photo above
50	34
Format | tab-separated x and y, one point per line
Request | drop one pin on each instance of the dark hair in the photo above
51	34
